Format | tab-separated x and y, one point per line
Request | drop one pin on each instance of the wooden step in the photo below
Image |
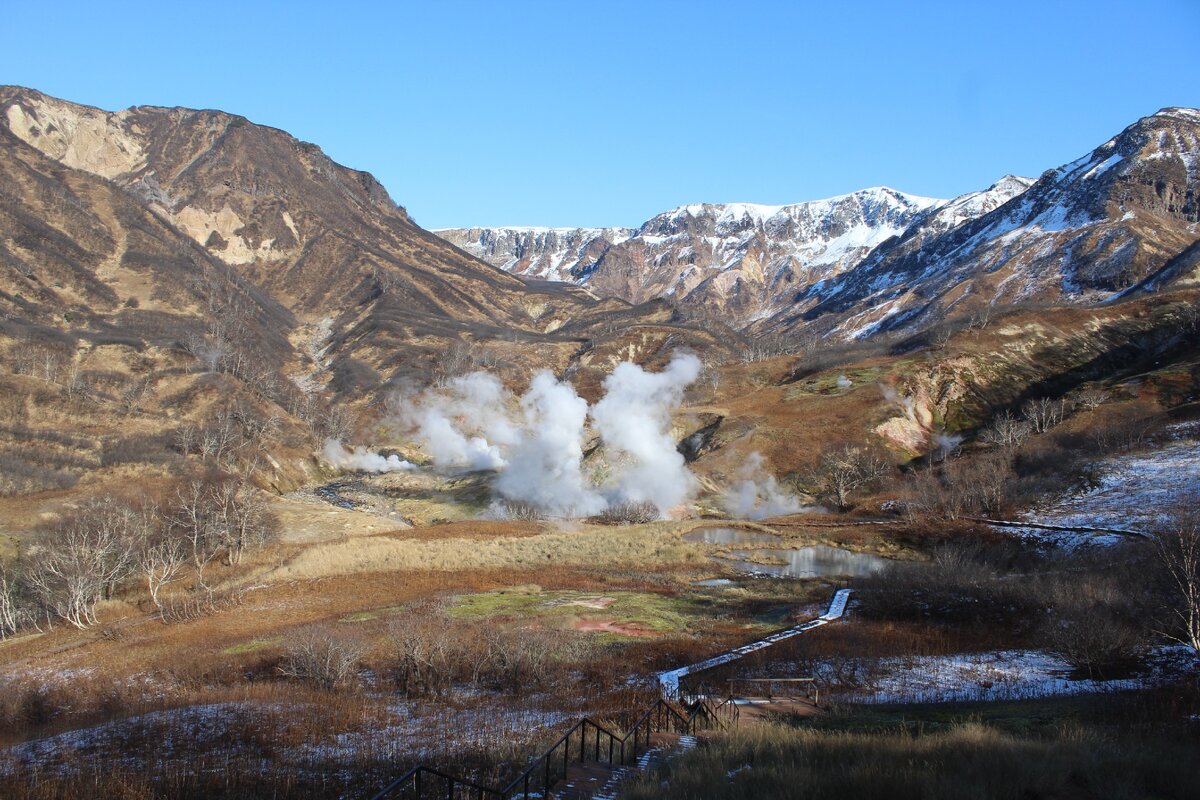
595	781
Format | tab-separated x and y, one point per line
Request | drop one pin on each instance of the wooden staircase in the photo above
604	781
590	760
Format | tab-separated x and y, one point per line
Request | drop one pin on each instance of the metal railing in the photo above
813	689
586	741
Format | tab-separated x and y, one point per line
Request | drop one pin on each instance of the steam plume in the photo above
545	467
338	456
466	424
536	445
634	420
757	494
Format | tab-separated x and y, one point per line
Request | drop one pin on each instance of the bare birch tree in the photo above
1178	546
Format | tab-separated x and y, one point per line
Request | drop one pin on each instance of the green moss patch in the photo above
252	646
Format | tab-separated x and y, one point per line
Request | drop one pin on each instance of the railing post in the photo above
418	782
449	788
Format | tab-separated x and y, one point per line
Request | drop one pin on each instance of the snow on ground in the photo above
998	675
668	681
411	730
1134	492
174	731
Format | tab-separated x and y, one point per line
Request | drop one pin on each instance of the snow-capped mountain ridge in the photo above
549	253
1124	217
708	253
1092	229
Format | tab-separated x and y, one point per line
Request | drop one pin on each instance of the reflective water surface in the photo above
817	561
729	536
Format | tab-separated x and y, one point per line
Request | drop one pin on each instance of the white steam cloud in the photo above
466	424
545	468
537	443
634	420
757	494
361	460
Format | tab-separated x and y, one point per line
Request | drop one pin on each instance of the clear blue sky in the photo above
605	113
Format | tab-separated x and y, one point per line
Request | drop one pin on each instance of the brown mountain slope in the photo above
326	241
116	330
159	267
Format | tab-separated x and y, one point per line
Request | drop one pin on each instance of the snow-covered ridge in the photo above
708	253
540	252
759	213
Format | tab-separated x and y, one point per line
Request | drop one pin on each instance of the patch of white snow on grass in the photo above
1004	675
1134	492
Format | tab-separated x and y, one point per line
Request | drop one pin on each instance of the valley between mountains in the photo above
297	495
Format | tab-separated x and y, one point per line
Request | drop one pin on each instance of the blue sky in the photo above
566	113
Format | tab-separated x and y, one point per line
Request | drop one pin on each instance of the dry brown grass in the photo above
589	545
474	530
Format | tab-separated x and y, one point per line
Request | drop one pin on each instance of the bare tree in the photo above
243	519
77	562
766	347
1091	397
219	516
322	659
423	652
14	612
1007	431
846	469
981	318
981	482
196	521
940	336
1127	427
1178	546
1044	413
629	513
162	563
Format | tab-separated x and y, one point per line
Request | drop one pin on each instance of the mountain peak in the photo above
1192	114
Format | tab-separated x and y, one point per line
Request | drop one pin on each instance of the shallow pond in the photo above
713	582
729	536
817	561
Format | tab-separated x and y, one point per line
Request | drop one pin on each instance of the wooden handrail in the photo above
661	715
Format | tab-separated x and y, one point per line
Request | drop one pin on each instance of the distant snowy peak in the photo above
745	259
878	205
1122	218
548	253
976	204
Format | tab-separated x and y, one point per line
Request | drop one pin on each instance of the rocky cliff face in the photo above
324	241
160	264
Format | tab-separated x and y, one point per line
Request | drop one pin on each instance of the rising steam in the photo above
756	493
538	449
545	468
535	443
361	460
634	420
